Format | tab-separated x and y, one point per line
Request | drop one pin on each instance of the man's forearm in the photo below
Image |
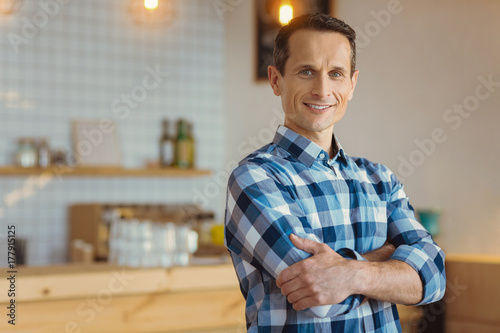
390	281
381	254
389	289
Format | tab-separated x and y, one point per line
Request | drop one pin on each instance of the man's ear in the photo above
274	75
354	80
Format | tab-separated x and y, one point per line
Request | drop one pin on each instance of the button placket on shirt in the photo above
322	158
331	165
334	166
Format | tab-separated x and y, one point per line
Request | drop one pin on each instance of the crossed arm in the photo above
261	214
328	278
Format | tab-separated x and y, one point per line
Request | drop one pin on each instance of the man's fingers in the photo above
304	303
298	268
286	275
297	296
290	286
305	244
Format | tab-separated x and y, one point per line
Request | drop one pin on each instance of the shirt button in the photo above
321	155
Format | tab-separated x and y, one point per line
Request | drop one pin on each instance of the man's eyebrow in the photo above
303	66
338	68
310	66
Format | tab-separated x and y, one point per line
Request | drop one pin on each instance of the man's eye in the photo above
335	74
306	72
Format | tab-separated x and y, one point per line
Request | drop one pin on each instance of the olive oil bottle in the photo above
166	146
192	146
182	146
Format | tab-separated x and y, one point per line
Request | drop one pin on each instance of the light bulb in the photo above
286	14
151	4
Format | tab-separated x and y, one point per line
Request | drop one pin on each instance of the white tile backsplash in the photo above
85	57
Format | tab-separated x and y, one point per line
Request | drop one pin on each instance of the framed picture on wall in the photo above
267	16
96	144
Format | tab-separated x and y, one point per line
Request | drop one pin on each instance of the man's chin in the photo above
319	126
309	125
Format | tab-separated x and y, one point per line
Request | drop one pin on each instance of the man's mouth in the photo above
317	106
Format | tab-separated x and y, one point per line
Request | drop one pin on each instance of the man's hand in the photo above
324	278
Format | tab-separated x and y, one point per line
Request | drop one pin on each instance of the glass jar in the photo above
204	223
27	154
43	153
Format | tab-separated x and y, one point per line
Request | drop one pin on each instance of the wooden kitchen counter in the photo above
102	298
473	293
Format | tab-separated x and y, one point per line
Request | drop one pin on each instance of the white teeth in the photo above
318	107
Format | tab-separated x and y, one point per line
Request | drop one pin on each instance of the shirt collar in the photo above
304	149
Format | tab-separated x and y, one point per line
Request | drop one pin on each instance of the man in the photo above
321	241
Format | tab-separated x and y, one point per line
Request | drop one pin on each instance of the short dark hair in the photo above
316	22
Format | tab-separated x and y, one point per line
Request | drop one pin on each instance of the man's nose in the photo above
321	86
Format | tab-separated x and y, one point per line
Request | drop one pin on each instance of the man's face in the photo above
316	84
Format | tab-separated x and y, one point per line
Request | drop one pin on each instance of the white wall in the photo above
77	63
252	105
415	64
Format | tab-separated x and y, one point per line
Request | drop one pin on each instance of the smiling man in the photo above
321	241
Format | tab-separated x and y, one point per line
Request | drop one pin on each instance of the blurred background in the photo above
121	120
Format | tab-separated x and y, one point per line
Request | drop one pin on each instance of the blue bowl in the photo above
430	220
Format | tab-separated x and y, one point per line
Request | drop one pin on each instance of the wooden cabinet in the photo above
472	294
101	298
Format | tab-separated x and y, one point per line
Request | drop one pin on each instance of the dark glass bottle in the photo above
182	145
166	146
191	146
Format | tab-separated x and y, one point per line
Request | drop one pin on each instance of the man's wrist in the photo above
362	277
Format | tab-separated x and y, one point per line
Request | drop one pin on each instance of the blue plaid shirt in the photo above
351	204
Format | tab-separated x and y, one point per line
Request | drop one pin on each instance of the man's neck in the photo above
321	138
325	142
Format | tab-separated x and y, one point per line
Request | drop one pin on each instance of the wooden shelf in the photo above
67	171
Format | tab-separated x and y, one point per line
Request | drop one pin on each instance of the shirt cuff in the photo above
327	311
431	272
351	254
